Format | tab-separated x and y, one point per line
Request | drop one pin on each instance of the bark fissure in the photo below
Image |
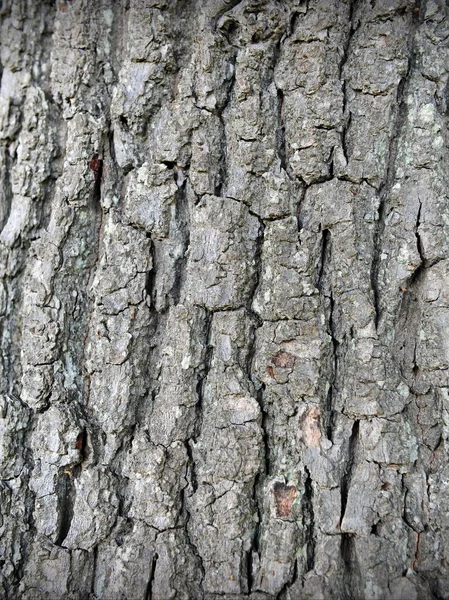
94	569
257	388
182	219
280	132
324	285
308	521
419	244
149	589
203	374
66	500
6	195
347	472
221	185
346	122
384	190
284	592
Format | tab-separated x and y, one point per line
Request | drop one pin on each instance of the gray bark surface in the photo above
224	368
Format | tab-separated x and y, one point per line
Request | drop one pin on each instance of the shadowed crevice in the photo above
66	500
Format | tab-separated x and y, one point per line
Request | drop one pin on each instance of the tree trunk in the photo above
225	299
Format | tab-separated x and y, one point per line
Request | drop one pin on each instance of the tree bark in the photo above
225	299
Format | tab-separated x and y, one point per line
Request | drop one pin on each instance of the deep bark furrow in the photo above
391	169
347	473
309	522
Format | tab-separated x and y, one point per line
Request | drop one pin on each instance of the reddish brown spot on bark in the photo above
96	165
81	443
63	6
270	372
284	496
283	360
311	427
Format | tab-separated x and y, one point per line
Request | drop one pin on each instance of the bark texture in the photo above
225	299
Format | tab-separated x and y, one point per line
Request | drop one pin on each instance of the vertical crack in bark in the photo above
346	118
419	244
346	547
283	594
347	473
329	404
281	144
183	225
203	374
94	207
184	511
7	193
223	170
325	259
66	501
308	522
324	285
259	391
255	538
150	278
75	329
149	588
94	570
346	550
280	132
388	182
195	552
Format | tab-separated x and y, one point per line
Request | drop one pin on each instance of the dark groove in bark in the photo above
7	195
283	594
388	182
94	570
203	374
324	285
325	259
346	550
352	30
299	222
149	589
220	188
66	502
280	132
419	244
259	389
265	434
346	118
346	479
308	521
182	221
150	278
255	538
329	405
195	552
